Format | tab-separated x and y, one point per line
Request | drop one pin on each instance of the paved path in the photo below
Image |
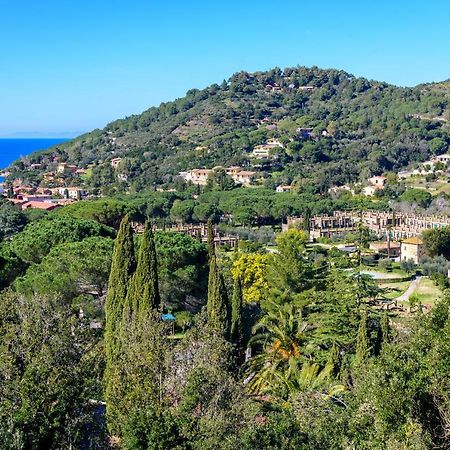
412	287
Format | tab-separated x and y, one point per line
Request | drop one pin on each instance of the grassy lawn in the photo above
394	290
427	292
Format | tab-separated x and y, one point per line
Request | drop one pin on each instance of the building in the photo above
244	177
377	181
66	168
412	249
36	166
444	159
273	87
284	188
304	133
337	189
264	151
72	192
388	249
115	162
196	176
46	206
369	191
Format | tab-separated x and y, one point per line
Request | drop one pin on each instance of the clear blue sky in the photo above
71	66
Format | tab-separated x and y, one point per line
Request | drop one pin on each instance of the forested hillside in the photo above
334	128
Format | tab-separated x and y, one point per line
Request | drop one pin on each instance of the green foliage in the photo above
71	269
437	242
236	328
50	370
417	196
182	270
217	306
12	220
122	267
143	293
106	211
290	272
38	238
362	341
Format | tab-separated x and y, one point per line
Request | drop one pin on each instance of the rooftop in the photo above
413	241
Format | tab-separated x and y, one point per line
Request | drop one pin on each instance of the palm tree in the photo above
280	335
280	368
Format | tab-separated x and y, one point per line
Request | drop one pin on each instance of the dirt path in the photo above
412	287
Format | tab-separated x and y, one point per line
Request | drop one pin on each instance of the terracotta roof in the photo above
413	241
39	205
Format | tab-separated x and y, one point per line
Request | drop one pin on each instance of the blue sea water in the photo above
12	149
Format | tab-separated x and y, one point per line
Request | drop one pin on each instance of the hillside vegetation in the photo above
357	128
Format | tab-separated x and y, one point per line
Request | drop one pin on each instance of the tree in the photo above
71	269
362	341
142	417
290	272
281	333
39	237
143	293
12	220
122	268
417	196
219	180
182	211
236	328
182	270
217	304
437	242
385	329
50	374
251	269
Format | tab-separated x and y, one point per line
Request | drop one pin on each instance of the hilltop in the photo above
330	128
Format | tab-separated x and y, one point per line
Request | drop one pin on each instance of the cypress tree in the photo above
217	305
143	294
334	359
236	329
122	267
385	329
362	341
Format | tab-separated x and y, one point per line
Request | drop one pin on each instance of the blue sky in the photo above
71	66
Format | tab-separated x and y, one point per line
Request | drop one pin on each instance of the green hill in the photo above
350	128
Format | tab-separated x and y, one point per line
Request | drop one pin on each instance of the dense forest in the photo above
354	128
112	340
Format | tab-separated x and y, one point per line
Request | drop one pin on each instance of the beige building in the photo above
196	176
66	168
115	162
377	181
386	249
412	249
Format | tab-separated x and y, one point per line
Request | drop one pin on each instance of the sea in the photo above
12	149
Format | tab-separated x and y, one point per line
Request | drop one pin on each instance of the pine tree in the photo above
217	305
362	341
143	294
236	329
122	268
